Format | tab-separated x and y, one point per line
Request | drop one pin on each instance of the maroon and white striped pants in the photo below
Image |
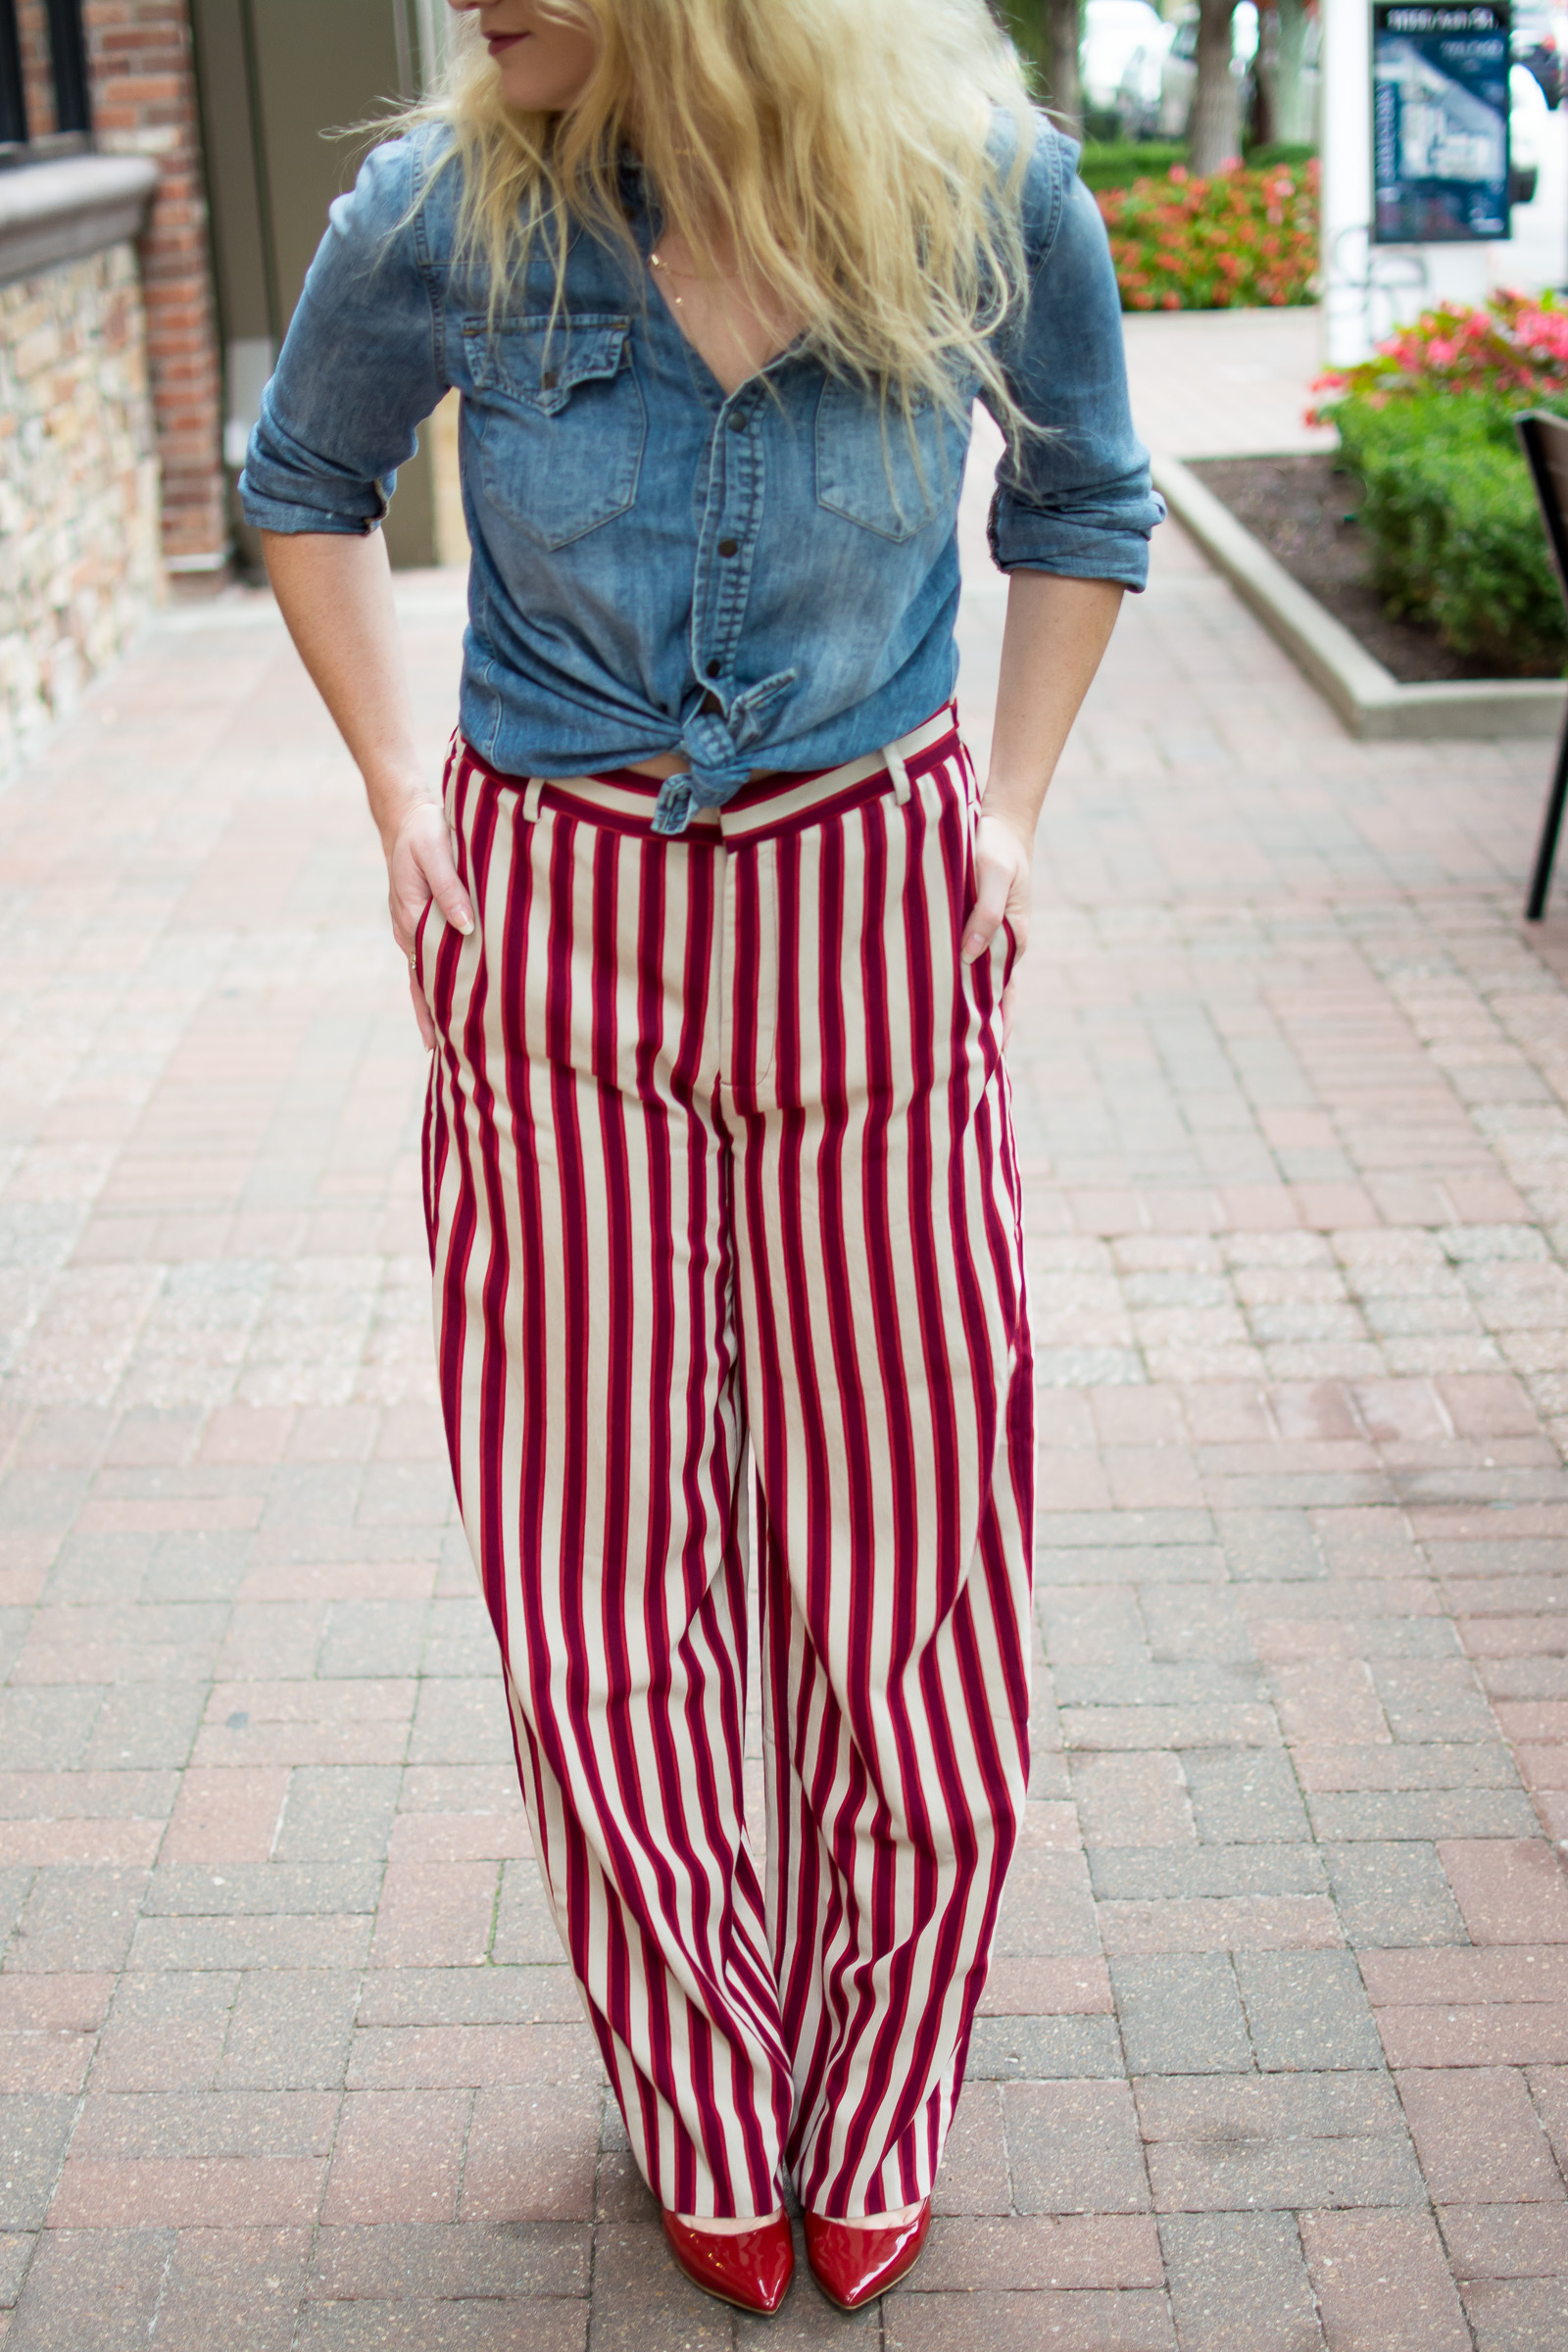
718	1157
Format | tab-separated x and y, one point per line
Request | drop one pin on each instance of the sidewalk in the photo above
1225	384
1274	2055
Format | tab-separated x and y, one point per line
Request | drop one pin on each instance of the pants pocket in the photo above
425	942
751	965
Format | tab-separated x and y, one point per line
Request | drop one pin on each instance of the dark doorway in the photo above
280	80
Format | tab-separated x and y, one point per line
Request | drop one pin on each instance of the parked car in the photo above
1113	30
1178	72
1528	111
1533	45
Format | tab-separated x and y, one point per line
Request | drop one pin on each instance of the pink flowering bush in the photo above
1448	511
1516	349
1237	239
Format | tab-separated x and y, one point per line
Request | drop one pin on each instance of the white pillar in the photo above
432	19
1346	188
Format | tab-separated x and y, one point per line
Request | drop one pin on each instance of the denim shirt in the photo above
763	579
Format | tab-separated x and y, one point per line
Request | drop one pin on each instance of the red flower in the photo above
1238	236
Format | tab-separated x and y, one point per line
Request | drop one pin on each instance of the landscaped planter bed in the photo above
1371	701
1303	511
1410	578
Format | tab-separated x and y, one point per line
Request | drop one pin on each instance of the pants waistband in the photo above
772	805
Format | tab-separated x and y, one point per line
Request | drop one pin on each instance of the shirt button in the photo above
715	669
737	422
729	547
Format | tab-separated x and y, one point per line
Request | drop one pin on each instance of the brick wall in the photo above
78	486
32	28
144	103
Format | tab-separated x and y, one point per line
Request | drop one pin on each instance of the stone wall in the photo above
78	486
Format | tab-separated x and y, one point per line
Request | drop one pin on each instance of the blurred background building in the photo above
165	169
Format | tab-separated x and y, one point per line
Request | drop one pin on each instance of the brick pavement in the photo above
1274	2056
1225	384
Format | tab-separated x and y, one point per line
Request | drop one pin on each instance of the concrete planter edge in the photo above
1368	698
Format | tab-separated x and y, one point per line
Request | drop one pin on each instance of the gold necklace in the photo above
655	262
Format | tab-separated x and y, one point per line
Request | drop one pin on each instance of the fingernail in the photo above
465	924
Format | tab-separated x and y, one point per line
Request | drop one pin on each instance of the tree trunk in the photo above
1265	78
1214	131
1062	31
1294	109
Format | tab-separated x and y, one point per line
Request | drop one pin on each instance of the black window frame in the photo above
67	60
68	66
12	89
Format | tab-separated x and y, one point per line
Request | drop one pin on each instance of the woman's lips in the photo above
497	41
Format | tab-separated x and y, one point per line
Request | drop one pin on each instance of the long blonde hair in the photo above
847	146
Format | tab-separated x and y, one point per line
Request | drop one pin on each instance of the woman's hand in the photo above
1002	862
420	868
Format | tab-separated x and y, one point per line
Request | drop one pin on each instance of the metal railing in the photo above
20	142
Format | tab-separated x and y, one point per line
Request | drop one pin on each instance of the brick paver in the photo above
1274	2057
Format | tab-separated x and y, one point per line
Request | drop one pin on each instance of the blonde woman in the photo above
710	940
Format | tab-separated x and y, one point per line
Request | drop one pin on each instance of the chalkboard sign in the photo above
1439	124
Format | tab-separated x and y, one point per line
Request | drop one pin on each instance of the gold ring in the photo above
414	965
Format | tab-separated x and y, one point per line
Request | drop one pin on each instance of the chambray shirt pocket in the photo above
872	471
559	420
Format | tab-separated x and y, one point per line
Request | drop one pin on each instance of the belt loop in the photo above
530	800
897	769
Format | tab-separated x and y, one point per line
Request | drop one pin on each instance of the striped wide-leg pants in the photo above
718	1165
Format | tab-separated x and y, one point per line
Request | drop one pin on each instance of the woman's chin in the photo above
526	99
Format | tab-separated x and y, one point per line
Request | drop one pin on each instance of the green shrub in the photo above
1117	162
1452	526
1295	157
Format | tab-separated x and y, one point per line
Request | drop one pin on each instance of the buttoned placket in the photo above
732	509
729	525
732	514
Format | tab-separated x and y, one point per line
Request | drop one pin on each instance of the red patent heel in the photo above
853	2265
749	2268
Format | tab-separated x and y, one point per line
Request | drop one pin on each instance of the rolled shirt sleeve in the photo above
360	367
1075	496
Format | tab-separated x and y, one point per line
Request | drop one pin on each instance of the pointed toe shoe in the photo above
749	2268
852	2264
